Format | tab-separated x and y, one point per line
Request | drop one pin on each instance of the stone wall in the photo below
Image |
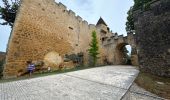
113	49
45	31
2	56
153	38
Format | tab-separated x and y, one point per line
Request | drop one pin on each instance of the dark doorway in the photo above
123	54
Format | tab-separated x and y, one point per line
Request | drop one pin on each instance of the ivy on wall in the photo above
138	4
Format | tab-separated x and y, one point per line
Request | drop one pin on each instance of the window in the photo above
71	28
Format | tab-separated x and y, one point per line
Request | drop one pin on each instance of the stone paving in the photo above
102	83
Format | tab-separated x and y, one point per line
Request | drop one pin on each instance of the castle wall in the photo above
45	31
2	56
153	38
113	48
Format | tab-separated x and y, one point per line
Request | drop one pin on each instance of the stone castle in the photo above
46	31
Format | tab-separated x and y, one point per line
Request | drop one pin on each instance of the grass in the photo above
35	75
154	84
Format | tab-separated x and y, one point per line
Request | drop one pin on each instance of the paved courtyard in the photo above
102	83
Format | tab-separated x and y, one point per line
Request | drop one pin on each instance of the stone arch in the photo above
121	57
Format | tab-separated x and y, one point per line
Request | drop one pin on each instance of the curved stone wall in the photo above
153	38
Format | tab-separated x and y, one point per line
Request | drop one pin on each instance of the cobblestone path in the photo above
102	83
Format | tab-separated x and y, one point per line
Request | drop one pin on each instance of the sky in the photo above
114	13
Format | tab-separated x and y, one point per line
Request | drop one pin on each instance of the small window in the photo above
43	9
108	29
103	39
71	28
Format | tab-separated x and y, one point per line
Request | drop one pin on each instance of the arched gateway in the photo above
116	53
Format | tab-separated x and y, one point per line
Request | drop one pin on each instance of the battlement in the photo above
73	15
79	18
85	22
62	6
92	26
118	38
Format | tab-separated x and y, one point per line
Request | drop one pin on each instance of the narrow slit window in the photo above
71	28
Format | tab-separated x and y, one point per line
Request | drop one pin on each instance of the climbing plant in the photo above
8	11
94	49
138	4
130	21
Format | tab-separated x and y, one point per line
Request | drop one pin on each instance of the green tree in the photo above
138	4
8	11
130	21
94	48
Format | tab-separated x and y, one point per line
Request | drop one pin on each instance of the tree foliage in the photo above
94	48
138	4
130	21
8	11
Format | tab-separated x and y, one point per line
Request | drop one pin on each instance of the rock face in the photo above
47	31
153	38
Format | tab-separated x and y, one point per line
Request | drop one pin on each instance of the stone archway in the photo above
121	56
114	46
